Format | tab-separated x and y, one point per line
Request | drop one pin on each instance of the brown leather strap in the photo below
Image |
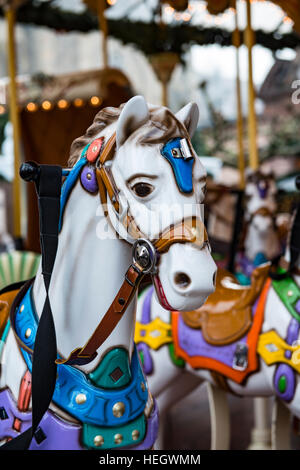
109	321
189	230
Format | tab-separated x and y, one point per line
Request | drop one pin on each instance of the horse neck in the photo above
87	275
261	242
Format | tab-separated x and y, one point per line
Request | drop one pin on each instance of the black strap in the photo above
47	179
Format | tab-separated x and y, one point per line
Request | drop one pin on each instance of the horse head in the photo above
157	185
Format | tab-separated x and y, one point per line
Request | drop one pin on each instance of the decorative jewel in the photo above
118	409
98	441
80	398
118	438
28	333
135	435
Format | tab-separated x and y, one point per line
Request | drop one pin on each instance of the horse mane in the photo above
161	127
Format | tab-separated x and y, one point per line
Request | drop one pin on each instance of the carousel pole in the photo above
261	433
239	122
249	40
14	117
104	28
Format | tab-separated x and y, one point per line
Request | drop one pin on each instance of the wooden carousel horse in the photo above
261	237
244	339
129	205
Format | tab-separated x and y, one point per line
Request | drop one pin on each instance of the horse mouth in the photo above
161	293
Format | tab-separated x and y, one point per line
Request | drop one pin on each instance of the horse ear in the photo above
189	116
134	114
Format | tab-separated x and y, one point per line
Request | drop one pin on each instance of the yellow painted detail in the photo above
155	334
271	347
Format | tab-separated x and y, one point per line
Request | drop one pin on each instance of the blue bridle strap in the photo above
182	168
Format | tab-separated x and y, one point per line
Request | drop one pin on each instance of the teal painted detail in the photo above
282	384
92	434
113	371
243	279
4	337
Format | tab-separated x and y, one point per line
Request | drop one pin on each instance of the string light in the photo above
95	100
31	106
169	10
78	102
62	104
287	20
46	105
186	17
111	2
2	109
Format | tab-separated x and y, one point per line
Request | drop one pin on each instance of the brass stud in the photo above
143	386
290	293
89	176
22	308
118	409
118	438
27	333
95	148
135	434
80	398
98	441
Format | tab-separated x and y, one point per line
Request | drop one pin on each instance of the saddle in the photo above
226	316
6	300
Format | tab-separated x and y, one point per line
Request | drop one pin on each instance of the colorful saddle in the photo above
227	314
221	336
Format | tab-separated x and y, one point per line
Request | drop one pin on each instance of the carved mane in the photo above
161	127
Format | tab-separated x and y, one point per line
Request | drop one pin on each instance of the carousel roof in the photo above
291	7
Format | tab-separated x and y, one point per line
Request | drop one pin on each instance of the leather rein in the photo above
145	254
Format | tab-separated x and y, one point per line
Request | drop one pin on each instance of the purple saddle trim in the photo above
56	434
53	433
284	370
143	347
193	343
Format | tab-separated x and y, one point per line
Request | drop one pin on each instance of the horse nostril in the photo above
182	280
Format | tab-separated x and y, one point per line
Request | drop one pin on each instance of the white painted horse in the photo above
244	340
261	242
140	160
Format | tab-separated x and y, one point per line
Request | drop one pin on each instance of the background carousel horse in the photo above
140	161
244	339
261	237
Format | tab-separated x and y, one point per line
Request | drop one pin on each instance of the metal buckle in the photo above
240	360
144	255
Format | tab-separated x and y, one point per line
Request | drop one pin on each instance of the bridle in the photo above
145	252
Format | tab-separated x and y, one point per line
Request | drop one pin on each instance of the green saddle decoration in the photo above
132	433
177	361
289	293
113	371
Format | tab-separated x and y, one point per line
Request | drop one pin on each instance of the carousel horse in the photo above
244	340
261	237
129	205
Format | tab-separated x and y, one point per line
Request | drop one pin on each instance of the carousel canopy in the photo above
151	36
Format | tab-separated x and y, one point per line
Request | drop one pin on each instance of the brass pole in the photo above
252	126
164	100
239	121
14	117
103	26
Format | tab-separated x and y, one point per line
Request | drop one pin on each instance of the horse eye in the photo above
142	189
